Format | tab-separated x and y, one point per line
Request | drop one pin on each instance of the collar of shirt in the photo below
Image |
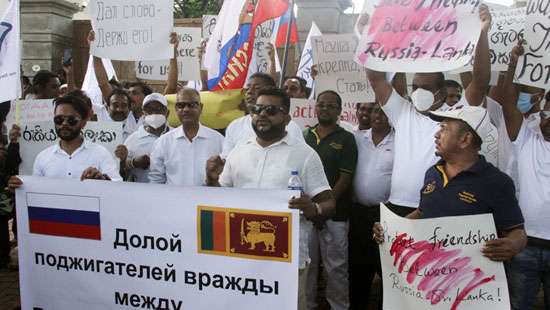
180	134
313	130
287	139
57	148
477	168
367	135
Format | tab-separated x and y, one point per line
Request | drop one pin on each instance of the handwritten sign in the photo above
132	30
188	59
29	111
534	66
337	71
437	264
419	36
303	113
37	136
10	54
306	61
265	33
208	25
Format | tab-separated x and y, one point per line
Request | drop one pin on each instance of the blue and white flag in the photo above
10	52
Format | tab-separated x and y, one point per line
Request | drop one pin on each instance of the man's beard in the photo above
274	132
66	134
118	116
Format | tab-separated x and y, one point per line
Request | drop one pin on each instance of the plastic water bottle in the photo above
295	183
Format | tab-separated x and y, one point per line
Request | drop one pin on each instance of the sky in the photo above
359	3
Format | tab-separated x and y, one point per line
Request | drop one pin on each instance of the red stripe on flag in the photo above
219	231
65	230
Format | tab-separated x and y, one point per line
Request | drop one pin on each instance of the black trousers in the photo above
4	240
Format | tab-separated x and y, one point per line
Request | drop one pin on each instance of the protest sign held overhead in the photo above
419	36
533	67
188	59
10	54
306	61
437	264
132	30
507	29
337	71
213	249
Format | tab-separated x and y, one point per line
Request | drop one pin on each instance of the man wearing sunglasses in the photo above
73	157
266	160
179	156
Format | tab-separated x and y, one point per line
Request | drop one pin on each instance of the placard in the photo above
306	61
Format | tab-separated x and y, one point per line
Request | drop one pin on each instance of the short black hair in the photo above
41	79
76	102
465	128
266	78
338	98
4	110
120	92
82	95
276	92
146	89
453	83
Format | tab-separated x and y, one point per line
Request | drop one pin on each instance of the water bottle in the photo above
294	183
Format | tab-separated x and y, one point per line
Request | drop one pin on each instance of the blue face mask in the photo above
524	102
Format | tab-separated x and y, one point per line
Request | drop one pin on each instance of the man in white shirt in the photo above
240	130
179	156
414	130
72	157
135	153
371	186
266	160
118	110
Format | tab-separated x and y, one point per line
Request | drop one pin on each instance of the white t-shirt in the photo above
533	154
414	149
138	144
240	130
54	162
250	165
372	180
129	125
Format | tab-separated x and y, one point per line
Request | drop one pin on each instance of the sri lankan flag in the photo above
245	233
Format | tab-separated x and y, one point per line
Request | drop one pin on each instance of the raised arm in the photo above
172	82
512	116
477	89
100	72
399	82
382	88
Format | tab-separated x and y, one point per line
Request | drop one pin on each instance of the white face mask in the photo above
422	99
533	123
155	120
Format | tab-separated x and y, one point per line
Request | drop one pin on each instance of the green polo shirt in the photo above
338	153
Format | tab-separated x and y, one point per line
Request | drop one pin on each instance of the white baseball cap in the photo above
155	97
476	117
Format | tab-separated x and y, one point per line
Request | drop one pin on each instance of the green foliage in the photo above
196	8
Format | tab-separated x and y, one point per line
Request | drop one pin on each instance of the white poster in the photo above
30	111
266	33
10	53
188	59
132	30
437	264
534	66
306	61
108	245
303	113
419	36
208	25
37	136
337	71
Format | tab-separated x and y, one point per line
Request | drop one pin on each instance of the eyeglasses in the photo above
190	105
71	120
271	110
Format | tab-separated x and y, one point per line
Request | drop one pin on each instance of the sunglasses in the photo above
71	120
270	110
191	105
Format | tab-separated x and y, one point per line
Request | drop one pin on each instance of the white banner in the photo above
37	136
534	66
10	53
303	113
437	264
132	30
208	25
265	33
419	36
188	59
306	61
337	71
155	246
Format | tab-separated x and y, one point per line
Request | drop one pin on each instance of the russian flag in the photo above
283	29
76	217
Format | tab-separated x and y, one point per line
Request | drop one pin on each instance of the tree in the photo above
196	8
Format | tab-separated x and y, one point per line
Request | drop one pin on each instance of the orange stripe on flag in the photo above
219	231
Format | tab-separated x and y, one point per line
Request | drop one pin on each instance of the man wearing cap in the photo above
179	157
464	183
134	154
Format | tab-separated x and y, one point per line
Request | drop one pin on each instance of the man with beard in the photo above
179	156
266	161
240	129
73	157
328	243
45	85
118	110
296	87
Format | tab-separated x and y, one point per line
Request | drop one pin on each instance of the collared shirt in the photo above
478	190
141	143
414	149
533	153
338	153
129	125
250	165
372	181
54	162
177	160
240	130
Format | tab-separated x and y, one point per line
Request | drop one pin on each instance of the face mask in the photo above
422	99
155	120
533	123
524	102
